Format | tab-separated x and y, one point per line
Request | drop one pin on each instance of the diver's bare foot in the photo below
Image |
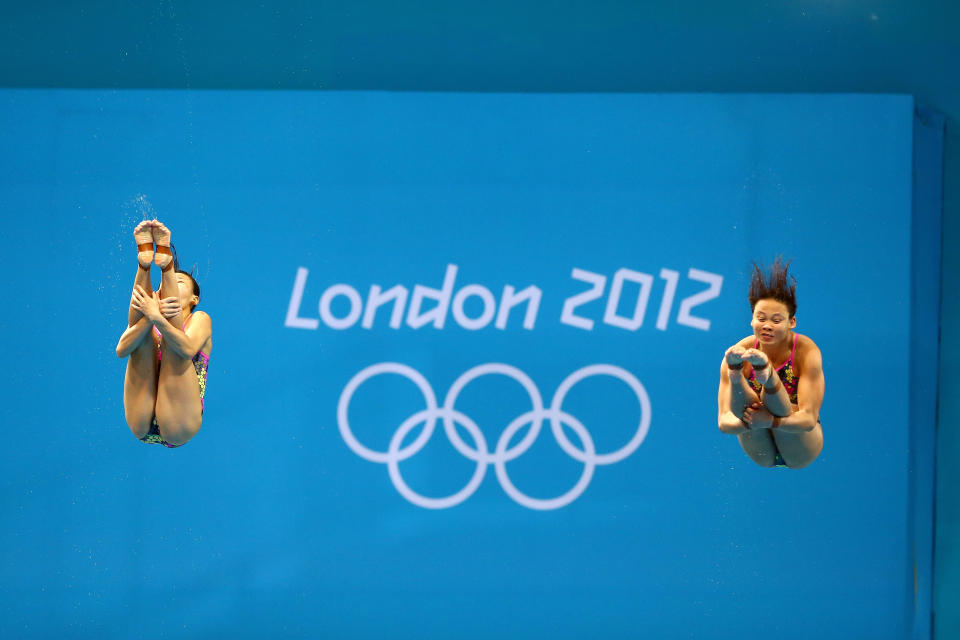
161	235
734	358
143	234
760	363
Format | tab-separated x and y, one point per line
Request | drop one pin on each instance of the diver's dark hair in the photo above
776	285
189	274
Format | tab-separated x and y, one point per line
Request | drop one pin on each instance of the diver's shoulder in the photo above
199	316
806	346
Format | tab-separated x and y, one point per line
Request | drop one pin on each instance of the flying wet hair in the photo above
189	274
777	284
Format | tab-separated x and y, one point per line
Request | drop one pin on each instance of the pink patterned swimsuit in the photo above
201	362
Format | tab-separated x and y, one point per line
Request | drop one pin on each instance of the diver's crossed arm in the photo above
731	424
187	343
133	336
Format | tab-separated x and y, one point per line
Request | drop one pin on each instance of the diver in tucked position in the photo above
167	344
771	382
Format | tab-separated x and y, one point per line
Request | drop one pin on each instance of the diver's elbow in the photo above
813	419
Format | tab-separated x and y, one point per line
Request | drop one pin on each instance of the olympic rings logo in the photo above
502	453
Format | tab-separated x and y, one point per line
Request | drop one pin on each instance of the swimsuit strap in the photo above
794	352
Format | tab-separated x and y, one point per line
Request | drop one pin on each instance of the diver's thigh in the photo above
759	445
178	409
140	388
799	449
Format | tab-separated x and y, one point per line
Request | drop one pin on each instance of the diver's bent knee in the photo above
762	459
801	464
176	436
139	425
175	440
176	433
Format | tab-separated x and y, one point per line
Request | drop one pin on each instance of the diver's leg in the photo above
140	385
799	449
774	396
741	394
168	277
756	443
143	234
179	411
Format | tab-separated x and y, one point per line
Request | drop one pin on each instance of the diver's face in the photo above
187	299
771	322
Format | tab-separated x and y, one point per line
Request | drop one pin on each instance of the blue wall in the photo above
281	517
871	46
